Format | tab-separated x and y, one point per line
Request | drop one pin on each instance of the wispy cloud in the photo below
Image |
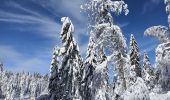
83	49
18	62
45	25
27	18
156	1
150	5
149	49
148	46
122	25
65	7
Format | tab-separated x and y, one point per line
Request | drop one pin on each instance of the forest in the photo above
73	77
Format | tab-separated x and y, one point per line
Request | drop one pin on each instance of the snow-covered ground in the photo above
155	96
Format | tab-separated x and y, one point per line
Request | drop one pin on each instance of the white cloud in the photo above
18	62
8	50
69	8
43	25
150	5
156	1
148	46
122	25
147	43
149	49
32	65
83	49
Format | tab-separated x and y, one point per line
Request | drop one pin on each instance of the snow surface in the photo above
155	96
138	91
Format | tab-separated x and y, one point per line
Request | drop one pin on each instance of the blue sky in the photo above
29	29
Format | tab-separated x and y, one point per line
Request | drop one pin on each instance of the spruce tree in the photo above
120	85
88	72
1	67
147	69
147	72
54	75
100	81
71	65
135	58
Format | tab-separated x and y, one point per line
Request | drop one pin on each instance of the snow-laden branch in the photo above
118	7
157	31
109	36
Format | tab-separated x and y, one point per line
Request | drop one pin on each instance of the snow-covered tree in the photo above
161	32
134	59
122	73
158	31
99	11
146	65
88	72
162	66
95	76
100	81
147	72
102	29
72	63
53	87
167	2
138	91
9	92
1	67
34	88
69	72
1	77
23	85
18	86
105	34
162	52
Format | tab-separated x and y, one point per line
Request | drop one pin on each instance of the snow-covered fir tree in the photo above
148	72
137	91
1	77
1	67
88	72
101	78
162	66
23	83
134	59
70	69
72	64
147	66
122	73
53	87
34	88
